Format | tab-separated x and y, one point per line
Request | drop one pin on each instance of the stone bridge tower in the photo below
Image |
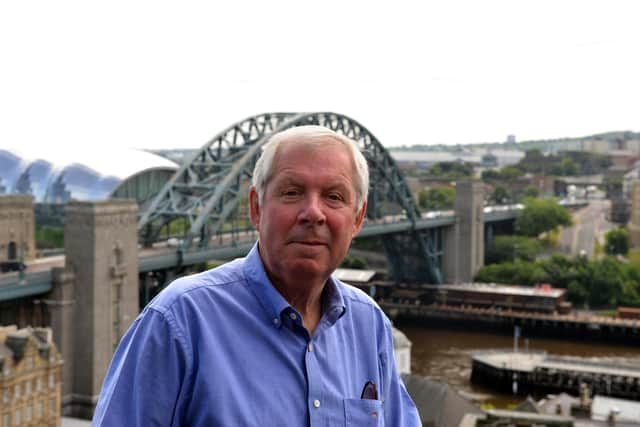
101	247
17	228
464	242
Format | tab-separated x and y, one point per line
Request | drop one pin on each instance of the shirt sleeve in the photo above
399	409
145	381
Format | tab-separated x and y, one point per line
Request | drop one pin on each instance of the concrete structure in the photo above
526	372
402	349
464	242
17	228
634	223
30	378
102	253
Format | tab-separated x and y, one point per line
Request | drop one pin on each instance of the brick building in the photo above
30	378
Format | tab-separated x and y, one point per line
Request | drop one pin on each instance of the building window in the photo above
51	407
38	384
5	420
29	362
18	418
39	408
51	381
29	413
16	391
5	396
27	387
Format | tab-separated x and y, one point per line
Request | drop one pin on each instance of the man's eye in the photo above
290	193
336	197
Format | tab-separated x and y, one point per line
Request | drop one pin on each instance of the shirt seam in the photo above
161	308
173	325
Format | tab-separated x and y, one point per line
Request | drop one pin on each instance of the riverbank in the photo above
574	326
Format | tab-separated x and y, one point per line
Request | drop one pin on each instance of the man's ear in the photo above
359	219
254	208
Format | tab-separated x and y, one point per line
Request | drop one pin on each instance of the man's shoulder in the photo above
216	280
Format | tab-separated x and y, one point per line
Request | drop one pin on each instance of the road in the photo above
589	224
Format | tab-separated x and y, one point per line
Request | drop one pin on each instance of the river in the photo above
445	355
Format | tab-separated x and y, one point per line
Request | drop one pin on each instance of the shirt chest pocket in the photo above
363	413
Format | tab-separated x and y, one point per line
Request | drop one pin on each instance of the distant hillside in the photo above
554	145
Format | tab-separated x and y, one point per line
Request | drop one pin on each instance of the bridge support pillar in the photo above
60	307
464	242
102	252
634	223
17	228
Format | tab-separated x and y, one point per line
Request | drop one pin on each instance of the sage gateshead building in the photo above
55	178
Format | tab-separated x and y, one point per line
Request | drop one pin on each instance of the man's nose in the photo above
311	211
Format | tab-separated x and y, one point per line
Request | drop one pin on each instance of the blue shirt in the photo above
224	348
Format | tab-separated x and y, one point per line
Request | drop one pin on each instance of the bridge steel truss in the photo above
207	196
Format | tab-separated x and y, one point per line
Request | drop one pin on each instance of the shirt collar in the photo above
274	304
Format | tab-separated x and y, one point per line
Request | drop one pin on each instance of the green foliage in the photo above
434	199
451	170
602	283
490	175
507	173
566	167
353	262
500	196
531	191
617	242
567	163
49	237
510	248
519	272
541	215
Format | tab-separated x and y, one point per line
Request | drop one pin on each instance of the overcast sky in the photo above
163	74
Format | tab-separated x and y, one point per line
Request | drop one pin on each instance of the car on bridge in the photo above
8	266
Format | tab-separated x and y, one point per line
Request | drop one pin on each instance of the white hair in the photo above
311	135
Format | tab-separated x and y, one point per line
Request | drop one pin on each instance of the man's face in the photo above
308	214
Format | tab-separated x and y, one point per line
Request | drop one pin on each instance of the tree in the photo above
451	170
541	215
490	175
510	173
436	199
617	242
500	196
511	248
531	191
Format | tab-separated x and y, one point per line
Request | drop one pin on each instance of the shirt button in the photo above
293	316
316	403
276	321
310	347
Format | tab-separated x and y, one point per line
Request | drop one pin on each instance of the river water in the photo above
445	355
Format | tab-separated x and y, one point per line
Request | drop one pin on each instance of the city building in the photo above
94	174
30	378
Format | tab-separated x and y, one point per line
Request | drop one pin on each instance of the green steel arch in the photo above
207	195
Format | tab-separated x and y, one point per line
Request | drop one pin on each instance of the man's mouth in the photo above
309	242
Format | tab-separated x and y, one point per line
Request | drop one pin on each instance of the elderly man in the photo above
271	339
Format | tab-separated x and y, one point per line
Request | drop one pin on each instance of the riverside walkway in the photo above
574	326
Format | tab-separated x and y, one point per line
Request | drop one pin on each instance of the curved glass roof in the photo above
55	177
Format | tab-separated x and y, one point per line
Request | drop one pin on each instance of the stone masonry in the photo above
464	242
102	255
17	228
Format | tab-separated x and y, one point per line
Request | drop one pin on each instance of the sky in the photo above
79	75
